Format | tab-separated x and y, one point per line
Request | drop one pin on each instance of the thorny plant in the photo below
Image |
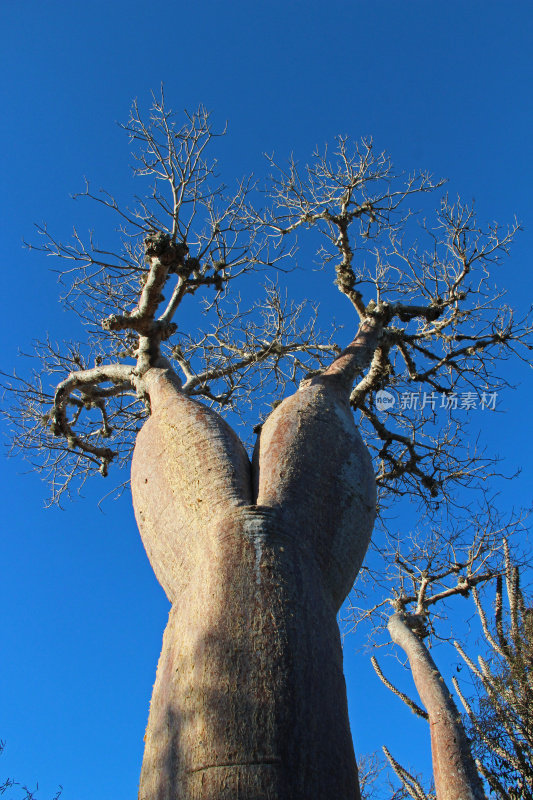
374	785
410	784
501	718
498	720
421	578
426	286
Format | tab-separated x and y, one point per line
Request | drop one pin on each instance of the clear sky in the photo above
443	86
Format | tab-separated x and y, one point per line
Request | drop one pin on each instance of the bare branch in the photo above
426	310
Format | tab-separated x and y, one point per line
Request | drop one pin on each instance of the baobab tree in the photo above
447	563
256	556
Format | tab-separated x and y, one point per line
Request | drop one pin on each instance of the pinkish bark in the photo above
250	699
454	770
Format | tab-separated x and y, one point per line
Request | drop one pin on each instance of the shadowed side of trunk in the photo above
454	770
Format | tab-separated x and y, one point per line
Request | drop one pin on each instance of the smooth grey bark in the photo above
454	770
250	698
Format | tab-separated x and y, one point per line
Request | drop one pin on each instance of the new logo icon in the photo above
384	400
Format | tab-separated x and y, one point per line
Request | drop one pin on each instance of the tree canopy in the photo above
190	242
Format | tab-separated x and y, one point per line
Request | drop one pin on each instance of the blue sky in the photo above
442	86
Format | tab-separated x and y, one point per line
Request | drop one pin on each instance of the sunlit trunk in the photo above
454	770
250	699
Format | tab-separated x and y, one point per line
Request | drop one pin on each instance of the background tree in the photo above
428	316
423	580
499	715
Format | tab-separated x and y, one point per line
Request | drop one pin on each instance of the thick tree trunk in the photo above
249	700
454	770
